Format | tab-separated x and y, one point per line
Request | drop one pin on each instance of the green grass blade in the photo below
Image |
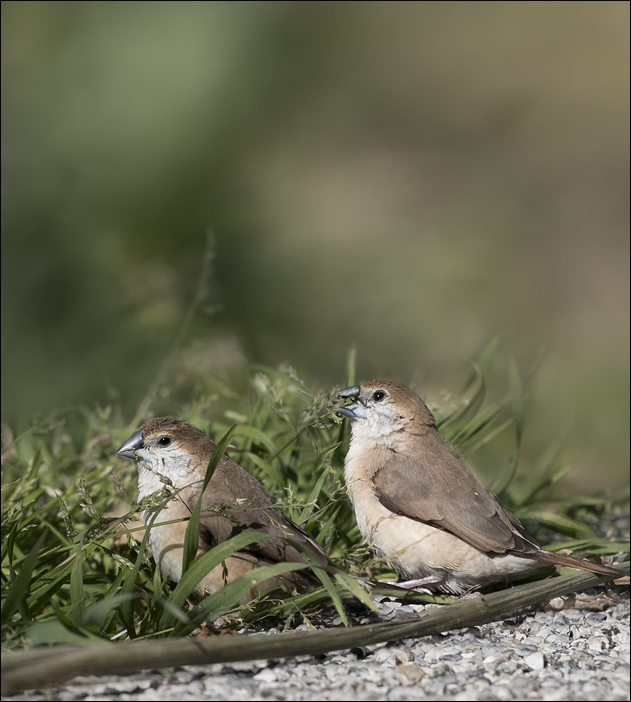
20	586
322	575
333	593
204	565
600	546
487	353
267	468
479	423
312	500
58	632
351	367
131	577
95	614
77	592
230	595
257	435
43	595
467	446
327	527
517	398
548	469
560	523
287	606
357	589
451	424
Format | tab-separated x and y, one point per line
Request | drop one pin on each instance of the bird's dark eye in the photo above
164	440
378	395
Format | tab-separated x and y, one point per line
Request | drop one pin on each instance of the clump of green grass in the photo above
74	561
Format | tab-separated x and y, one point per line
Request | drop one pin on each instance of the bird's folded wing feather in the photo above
235	502
431	484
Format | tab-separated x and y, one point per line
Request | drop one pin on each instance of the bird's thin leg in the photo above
415	584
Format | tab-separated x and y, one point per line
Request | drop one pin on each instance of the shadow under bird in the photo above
233	502
419	505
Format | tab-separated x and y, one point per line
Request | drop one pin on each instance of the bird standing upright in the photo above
233	502
419	505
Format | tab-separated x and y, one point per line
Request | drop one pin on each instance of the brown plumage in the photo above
419	504
233	502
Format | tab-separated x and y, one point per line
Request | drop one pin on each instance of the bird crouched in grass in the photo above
421	507
233	502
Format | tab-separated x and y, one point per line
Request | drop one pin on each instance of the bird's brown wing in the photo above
432	485
234	502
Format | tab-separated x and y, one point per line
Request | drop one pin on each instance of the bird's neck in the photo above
366	435
148	482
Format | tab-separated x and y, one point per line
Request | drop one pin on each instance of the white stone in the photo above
535	661
266	675
598	643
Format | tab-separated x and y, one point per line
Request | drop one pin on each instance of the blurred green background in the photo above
410	177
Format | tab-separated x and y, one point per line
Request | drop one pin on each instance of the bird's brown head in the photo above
383	411
169	447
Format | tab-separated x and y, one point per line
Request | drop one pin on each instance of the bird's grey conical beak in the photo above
355	411
130	448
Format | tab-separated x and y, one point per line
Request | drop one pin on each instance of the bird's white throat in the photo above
180	473
378	430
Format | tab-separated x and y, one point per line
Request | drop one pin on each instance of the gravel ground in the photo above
566	654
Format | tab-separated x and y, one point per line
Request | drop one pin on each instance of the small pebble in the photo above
409	673
535	661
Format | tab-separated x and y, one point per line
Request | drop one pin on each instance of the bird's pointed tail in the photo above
558	559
